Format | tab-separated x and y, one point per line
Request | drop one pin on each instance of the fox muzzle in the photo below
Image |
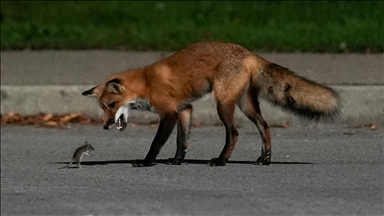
110	123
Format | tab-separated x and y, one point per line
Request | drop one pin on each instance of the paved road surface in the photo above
316	170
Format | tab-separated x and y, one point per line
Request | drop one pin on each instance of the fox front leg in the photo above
183	131
167	123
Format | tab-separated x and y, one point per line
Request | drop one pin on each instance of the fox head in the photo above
115	100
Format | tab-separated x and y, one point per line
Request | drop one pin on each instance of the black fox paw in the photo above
217	162
262	160
174	161
142	163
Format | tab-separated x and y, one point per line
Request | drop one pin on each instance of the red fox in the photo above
235	75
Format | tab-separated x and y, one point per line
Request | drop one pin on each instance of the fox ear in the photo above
91	92
114	86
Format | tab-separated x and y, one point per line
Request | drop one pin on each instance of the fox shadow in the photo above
186	161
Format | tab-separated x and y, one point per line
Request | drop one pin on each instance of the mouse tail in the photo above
66	166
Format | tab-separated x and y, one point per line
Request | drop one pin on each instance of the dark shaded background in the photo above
310	26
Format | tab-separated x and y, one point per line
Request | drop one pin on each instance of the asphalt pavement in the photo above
317	169
327	168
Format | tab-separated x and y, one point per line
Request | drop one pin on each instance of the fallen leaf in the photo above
196	124
281	125
48	117
47	120
51	124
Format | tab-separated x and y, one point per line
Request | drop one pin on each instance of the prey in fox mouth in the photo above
121	116
120	124
120	120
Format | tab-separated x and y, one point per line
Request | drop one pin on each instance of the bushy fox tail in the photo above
301	96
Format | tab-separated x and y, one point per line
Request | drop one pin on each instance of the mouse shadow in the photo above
186	161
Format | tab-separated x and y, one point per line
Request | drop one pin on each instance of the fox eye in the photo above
112	105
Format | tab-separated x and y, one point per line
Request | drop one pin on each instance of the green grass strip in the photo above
286	26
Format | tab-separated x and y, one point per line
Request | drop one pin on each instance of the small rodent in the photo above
78	154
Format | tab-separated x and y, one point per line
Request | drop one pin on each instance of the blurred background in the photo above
51	51
287	26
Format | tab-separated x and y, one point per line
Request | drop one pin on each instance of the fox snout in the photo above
109	123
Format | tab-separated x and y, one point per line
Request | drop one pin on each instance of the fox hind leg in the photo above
226	111
249	105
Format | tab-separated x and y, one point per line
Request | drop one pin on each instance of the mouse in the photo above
79	153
